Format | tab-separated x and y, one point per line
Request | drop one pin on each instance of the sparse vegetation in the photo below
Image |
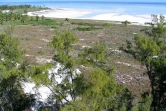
41	52
46	22
108	24
87	28
109	79
82	23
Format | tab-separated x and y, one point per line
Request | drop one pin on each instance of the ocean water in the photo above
118	9
126	7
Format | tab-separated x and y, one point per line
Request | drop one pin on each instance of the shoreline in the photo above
112	15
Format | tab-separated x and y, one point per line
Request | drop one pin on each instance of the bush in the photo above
41	52
82	23
108	24
87	28
45	22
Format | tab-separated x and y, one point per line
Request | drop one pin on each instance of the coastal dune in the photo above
92	14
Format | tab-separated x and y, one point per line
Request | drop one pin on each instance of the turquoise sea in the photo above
127	7
132	11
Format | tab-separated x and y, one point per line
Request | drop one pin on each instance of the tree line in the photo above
8	17
14	7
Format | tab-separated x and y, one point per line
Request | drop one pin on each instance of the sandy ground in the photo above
91	14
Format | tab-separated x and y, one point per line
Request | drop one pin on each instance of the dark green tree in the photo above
37	18
42	17
150	50
12	96
94	89
23	18
126	23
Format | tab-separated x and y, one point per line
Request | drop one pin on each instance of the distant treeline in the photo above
13	7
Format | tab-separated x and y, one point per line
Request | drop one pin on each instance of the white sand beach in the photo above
116	17
92	14
61	13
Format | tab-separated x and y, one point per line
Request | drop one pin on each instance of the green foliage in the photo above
96	92
97	53
108	24
12	96
39	74
10	55
129	44
90	88
83	23
46	22
32	19
23	18
91	28
37	18
124	99
41	52
1	18
146	48
126	23
145	104
9	30
25	11
20	9
42	17
12	7
62	45
98	56
150	50
67	19
62	42
159	31
9	48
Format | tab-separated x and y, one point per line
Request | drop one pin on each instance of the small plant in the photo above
41	52
66	19
9	30
37	18
126	23
23	18
43	18
31	19
108	24
82	23
27	39
25	11
129	44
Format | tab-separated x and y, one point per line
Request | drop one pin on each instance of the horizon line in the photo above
88	2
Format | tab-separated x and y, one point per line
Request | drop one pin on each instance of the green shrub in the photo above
41	52
108	24
45	22
82	23
87	28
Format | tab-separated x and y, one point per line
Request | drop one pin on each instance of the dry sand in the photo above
91	14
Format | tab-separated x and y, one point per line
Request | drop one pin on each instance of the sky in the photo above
162	1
